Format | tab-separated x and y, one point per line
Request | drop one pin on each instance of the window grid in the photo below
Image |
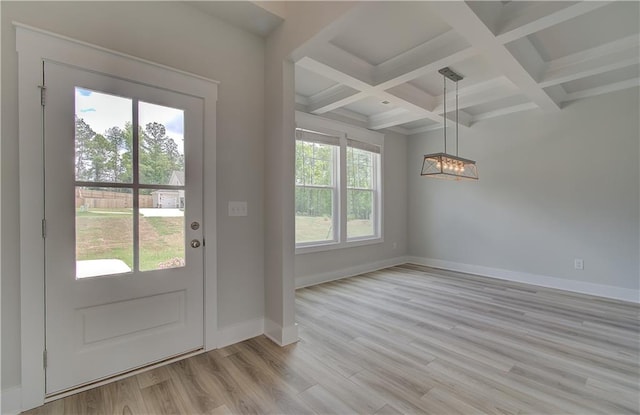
316	194
355	180
361	193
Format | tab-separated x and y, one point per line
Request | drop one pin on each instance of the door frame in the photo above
35	46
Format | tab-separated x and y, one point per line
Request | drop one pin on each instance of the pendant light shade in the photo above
444	165
447	166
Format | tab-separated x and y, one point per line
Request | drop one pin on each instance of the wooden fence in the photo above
104	199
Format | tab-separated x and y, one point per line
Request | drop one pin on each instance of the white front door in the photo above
123	224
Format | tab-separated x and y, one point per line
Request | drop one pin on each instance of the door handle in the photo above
195	243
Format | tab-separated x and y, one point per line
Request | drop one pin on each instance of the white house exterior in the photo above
170	198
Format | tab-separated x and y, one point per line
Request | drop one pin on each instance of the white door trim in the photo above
35	46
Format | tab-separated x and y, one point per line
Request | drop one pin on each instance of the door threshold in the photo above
103	381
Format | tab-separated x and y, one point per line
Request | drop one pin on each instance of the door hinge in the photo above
44	228
203	242
44	358
43	94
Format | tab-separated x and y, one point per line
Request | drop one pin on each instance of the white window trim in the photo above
344	131
35	46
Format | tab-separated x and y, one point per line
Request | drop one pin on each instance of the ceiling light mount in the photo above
444	165
449	73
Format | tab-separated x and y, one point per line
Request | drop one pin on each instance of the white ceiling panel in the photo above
473	70
369	106
594	81
613	21
497	104
309	83
388	29
418	124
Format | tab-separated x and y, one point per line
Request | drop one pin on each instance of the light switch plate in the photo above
237	208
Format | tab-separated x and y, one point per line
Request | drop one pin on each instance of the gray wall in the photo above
395	220
179	36
553	187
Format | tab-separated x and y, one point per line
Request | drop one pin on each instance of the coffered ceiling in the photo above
379	65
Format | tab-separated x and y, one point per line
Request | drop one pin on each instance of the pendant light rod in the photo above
455	77
444	78
457	125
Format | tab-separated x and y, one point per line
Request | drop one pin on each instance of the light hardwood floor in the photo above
407	339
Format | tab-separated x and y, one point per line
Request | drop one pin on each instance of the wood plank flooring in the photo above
410	340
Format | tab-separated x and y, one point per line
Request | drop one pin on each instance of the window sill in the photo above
338	245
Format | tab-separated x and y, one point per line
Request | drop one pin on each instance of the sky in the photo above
103	111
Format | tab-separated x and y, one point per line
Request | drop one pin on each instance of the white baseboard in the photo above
281	336
599	290
309	280
240	332
11	401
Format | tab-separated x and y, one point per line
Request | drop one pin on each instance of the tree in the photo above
108	157
314	195
159	155
116	147
359	183
84	135
99	152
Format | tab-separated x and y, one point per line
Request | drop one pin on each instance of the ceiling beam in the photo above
425	129
302	100
333	97
504	111
465	120
444	50
414	96
461	18
520	19
480	93
616	86
413	99
405	97
613	55
334	71
392	118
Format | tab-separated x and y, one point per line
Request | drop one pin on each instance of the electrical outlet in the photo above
237	208
578	263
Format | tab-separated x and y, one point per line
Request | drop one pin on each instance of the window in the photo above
316	187
362	185
338	184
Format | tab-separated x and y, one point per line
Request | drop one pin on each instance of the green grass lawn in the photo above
319	228
108	234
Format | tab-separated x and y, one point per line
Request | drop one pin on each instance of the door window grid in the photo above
107	152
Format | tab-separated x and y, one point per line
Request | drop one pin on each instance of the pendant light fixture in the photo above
445	165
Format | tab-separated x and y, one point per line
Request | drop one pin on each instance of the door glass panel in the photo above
104	231
161	227
103	137
104	153
161	144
